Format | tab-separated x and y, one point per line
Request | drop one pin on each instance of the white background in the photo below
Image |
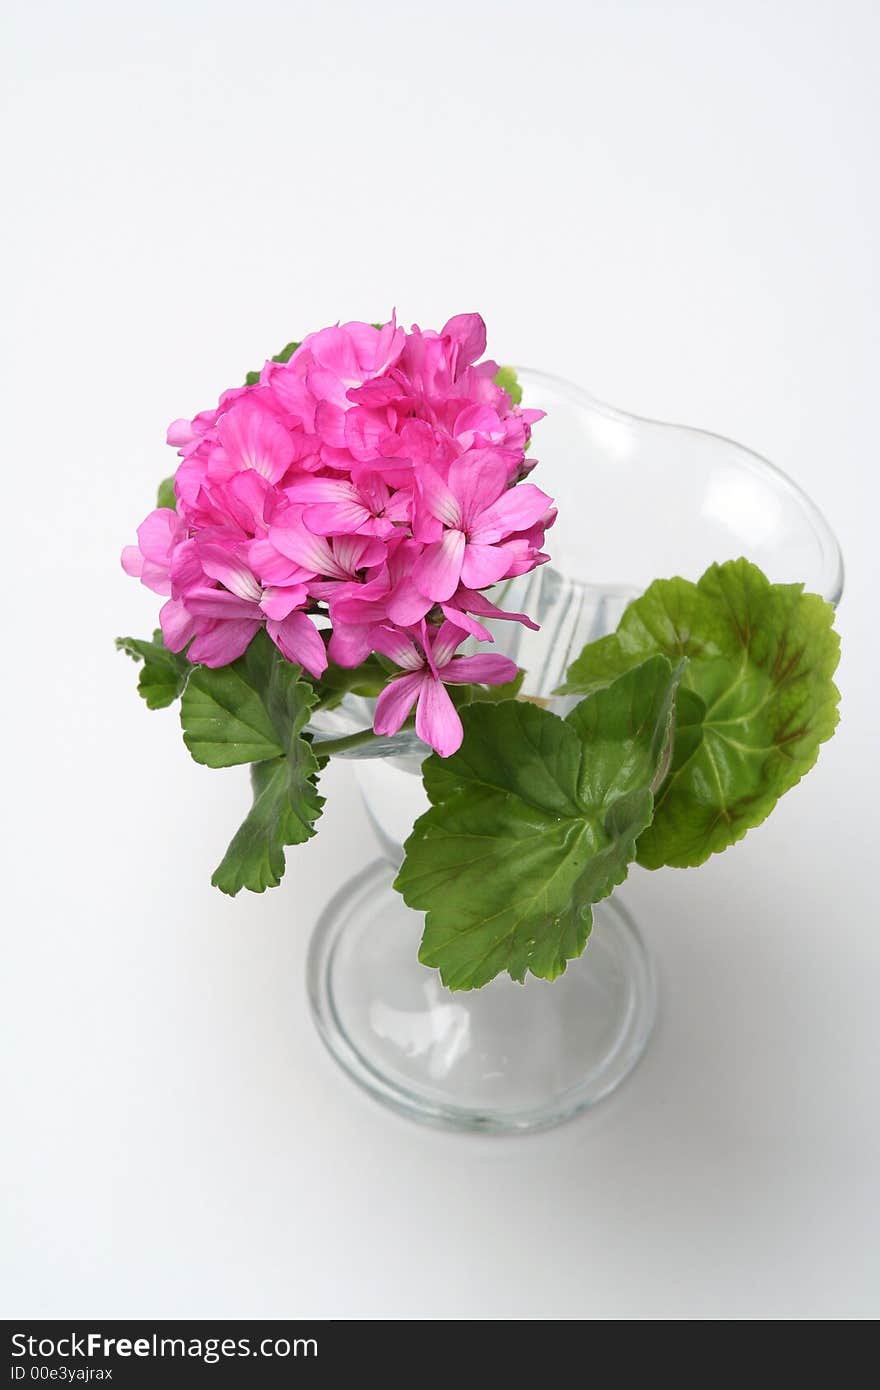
674	204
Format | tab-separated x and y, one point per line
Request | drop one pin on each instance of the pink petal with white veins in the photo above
438	569
446	642
518	509
293	539
358	552
478	478
440	501
321	490
396	701
437	721
271	567
252	438
220	603
340	519
219	563
393	643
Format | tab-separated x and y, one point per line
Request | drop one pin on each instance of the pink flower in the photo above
339	507
429	665
227	605
478	510
372	482
150	560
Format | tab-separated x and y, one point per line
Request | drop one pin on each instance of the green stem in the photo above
326	747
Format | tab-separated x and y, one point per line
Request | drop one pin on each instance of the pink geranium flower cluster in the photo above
372	484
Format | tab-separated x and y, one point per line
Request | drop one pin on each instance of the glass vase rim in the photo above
759	464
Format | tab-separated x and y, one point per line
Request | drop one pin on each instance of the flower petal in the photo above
447	640
252	438
271	567
292	538
437	497
321	490
221	564
133	561
222	642
178	626
156	535
468	331
438	569
279	600
466	622
396	701
472	602
405	605
437	721
337	518
478	479
483	565
297	638
516	510
206	602
351	643
486	668
393	643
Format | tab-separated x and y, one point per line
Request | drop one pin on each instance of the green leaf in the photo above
254	711
286	803
506	378
224	711
166	496
284	355
756	700
164	674
532	820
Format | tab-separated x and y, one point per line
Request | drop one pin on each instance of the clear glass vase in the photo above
638	500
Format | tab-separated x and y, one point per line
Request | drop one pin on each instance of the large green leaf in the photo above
164	673
254	711
532	820
756	700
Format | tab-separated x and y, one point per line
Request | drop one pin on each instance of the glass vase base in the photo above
508	1058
